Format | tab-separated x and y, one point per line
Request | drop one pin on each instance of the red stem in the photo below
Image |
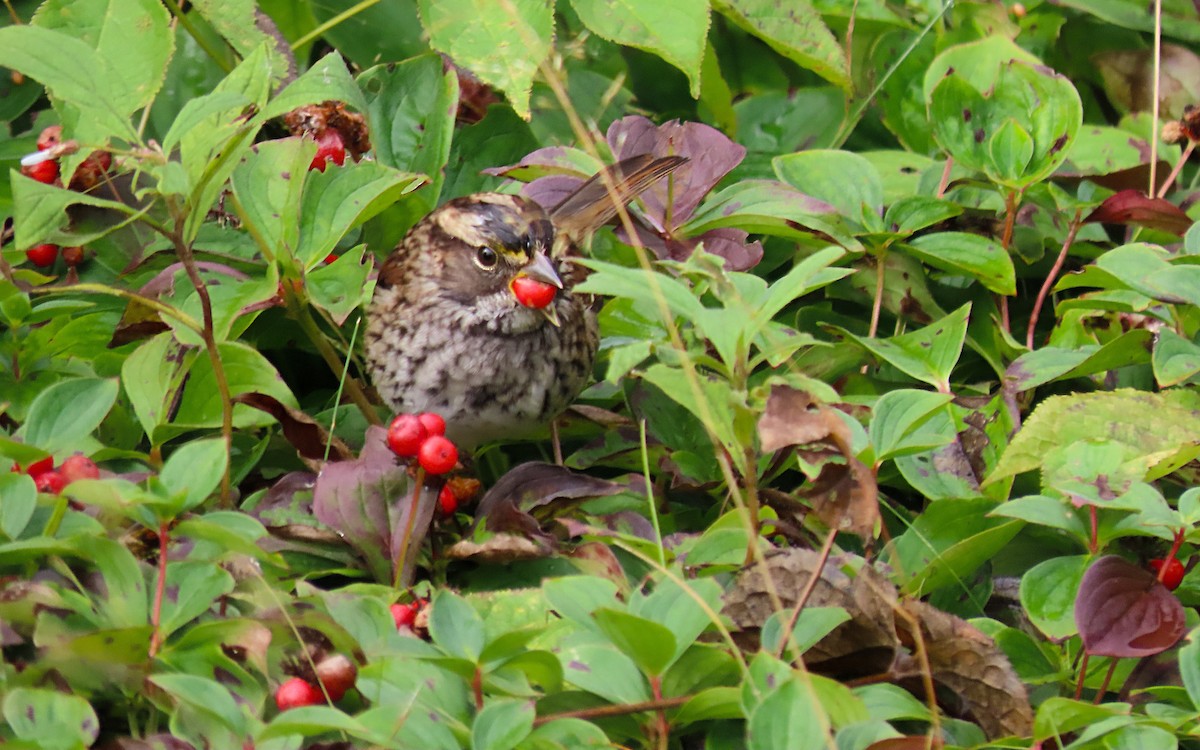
477	688
1082	674
664	727
1052	276
164	538
1095	544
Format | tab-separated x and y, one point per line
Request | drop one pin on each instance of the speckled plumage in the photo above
447	336
445	332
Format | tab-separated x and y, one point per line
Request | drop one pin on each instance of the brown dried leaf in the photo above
1123	610
509	504
499	548
970	664
305	435
844	496
863	645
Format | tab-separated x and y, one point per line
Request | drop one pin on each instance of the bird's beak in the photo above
541	269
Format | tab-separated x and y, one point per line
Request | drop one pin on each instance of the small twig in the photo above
624	709
826	548
877	303
1051	277
1167	183
945	181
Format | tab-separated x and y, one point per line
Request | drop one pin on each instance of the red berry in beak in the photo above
533	293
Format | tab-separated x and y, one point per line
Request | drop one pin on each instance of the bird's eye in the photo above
486	258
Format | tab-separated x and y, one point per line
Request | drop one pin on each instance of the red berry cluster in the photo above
335	673
51	480
423	436
43	167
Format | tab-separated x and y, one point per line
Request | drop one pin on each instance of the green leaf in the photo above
18	499
896	418
961	252
1189	667
192	589
1148	269
65	414
502	724
267	185
455	626
125	603
927	354
948	542
411	107
1052	363
51	719
337	200
152	377
915	212
1175	358
795	31
1045	511
41	213
677	31
604	671
341	287
840	178
502	43
246	371
649	644
72	71
1048	592
675	606
237	23
206	695
769	207
1018	131
789	716
813	624
1157	429
570	733
194	471
576	597
132	37
328	79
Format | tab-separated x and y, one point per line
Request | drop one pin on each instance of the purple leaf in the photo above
1123	610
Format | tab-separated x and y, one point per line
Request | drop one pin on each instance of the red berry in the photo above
40	466
72	256
44	171
50	482
295	693
78	466
533	293
437	455
447	500
329	148
337	674
1173	573
404	615
42	256
405	435
433	423
50	136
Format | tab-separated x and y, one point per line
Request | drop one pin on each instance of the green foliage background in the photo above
925	223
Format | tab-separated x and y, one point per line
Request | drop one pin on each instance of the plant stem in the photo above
164	539
329	354
1051	277
1112	667
340	17
1012	200
662	555
877	303
624	709
1094	543
337	397
402	556
1167	183
664	727
1083	664
826	548
184	251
